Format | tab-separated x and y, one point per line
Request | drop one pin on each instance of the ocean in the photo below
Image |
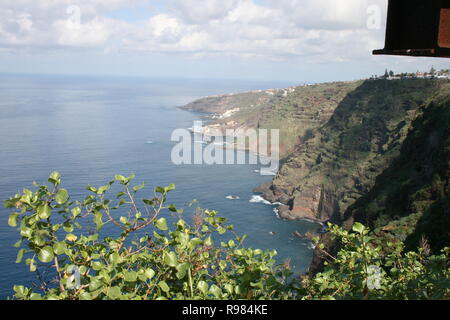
91	128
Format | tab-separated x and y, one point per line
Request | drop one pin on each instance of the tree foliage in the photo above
369	268
148	260
151	258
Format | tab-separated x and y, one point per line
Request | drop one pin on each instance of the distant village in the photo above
388	75
432	74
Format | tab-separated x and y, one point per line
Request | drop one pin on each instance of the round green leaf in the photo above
71	237
20	291
46	254
203	287
170	259
159	189
103	189
164	287
120	178
59	248
44	212
358	227
76	211
124	220
62	196
216	291
150	273
85	296
161	224
221	230
130	276
55	177
12	221
97	265
115	258
114	293
182	270
257	252
35	296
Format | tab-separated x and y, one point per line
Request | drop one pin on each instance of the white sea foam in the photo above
259	199
313	221
232	197
268	172
277	213
308	244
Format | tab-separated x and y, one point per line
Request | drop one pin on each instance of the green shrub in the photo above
150	260
367	268
161	263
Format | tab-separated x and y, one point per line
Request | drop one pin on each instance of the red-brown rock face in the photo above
306	205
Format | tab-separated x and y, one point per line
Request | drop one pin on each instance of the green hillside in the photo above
295	111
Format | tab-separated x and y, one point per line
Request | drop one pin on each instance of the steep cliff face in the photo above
377	152
410	199
341	160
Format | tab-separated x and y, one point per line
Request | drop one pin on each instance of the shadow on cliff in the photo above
337	163
416	182
410	184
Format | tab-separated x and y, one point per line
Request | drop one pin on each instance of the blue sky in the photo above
287	40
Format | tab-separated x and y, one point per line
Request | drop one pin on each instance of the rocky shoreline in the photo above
299	209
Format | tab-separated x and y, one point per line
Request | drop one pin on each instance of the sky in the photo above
283	40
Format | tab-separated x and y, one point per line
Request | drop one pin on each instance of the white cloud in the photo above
24	21
328	15
247	12
93	33
317	30
199	12
165	28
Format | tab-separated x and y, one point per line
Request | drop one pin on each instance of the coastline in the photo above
215	127
284	217
210	133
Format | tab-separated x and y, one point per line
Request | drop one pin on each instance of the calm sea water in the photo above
90	129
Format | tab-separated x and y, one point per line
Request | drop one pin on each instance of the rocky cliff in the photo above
410	198
341	159
375	151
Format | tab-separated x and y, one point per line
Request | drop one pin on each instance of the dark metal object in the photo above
418	28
